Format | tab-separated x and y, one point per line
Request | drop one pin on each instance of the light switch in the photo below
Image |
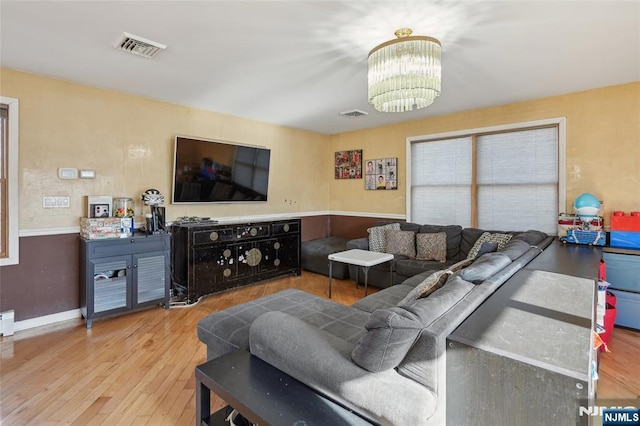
87	174
67	173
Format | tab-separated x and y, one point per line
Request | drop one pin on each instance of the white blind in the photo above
441	182
517	177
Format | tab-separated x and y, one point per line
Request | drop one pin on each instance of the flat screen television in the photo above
211	171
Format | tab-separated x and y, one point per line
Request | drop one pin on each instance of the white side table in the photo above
364	258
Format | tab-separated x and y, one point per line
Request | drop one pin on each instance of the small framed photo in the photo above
348	164
381	173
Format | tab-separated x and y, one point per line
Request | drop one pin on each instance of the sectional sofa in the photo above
384	356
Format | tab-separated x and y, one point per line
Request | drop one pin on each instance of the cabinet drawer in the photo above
623	271
123	246
292	227
252	231
212	236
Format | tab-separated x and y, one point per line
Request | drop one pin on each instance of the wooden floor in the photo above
138	368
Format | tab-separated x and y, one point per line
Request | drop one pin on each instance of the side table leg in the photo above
330	270
366	278
203	402
391	273
357	273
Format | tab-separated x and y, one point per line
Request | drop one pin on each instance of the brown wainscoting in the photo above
351	227
314	227
47	279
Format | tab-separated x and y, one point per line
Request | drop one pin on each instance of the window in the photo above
508	177
8	181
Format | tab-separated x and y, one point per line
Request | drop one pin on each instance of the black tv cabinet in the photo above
209	257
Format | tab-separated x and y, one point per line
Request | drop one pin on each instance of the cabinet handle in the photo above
128	266
133	241
135	266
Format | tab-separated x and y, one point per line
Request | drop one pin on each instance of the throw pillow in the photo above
431	246
378	236
501	239
460	265
390	334
401	242
426	287
487	247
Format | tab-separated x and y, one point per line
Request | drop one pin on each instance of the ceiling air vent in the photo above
138	45
354	113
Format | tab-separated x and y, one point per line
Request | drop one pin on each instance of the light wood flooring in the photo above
139	368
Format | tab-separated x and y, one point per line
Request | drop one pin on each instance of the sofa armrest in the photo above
358	243
322	361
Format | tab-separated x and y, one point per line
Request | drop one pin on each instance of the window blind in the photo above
517	178
441	182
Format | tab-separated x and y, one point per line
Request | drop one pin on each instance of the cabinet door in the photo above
111	281
211	266
150	281
288	252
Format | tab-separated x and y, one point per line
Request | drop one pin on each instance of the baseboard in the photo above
47	319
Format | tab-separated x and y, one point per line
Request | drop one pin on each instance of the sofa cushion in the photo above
515	248
401	242
484	267
378	236
431	246
227	330
501	239
390	334
427	286
531	237
453	232
383	299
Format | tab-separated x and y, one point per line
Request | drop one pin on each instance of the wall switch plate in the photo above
67	173
55	202
87	174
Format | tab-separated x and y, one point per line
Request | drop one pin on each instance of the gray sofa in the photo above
385	354
459	242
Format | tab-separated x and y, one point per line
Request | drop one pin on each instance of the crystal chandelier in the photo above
404	73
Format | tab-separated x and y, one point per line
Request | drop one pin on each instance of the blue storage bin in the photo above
623	271
625	239
628	308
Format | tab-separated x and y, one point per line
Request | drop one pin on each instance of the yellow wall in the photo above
603	147
128	140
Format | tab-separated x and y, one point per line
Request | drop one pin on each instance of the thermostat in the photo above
67	173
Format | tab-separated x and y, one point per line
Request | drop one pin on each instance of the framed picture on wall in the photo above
381	173
348	164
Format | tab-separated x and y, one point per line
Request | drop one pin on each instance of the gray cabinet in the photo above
124	274
525	356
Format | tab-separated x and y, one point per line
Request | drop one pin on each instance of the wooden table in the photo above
265	395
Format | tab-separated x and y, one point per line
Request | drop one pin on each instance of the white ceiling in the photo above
300	63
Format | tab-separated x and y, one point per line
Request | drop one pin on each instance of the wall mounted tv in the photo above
210	171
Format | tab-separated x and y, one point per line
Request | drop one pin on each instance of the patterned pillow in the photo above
501	239
378	237
432	246
401	242
426	287
460	265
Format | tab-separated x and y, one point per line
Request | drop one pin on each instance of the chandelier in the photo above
404	73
